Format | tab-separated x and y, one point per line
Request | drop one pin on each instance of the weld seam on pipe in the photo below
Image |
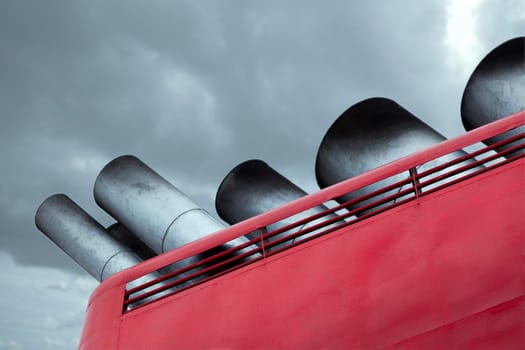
111	258
171	224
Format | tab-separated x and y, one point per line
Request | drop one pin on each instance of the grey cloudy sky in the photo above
193	88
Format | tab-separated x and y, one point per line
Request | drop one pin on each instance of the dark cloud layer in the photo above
195	87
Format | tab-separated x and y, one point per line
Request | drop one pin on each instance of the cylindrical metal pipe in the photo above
89	243
156	211
369	134
252	188
83	238
496	88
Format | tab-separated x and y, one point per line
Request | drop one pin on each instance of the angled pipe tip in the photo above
496	88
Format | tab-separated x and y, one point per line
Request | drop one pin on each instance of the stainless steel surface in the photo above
156	211
130	240
496	88
83	238
252	188
369	134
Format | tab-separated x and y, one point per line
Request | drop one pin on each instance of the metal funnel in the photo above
82	238
89	243
369	134
252	188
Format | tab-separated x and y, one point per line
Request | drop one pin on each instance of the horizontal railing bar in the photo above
471	175
195	265
338	218
470	166
470	155
126	303
339	207
344	224
375	193
187	278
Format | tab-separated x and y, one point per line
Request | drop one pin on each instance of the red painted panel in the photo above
101	326
500	327
420	267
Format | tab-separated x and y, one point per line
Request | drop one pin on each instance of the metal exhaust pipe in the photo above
496	88
82	238
156	211
369	134
89	244
252	188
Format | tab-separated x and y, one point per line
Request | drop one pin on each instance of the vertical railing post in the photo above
126	297
261	231
415	181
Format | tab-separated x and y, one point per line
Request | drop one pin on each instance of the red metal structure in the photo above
438	264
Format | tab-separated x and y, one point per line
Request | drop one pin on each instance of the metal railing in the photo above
421	174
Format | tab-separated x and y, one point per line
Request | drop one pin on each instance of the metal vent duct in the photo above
82	238
152	208
496	88
369	134
252	188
